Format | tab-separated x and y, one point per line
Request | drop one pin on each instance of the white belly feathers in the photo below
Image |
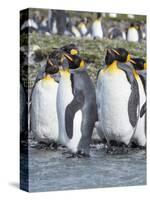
44	122
113	94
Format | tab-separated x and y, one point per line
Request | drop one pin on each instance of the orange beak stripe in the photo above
67	56
115	52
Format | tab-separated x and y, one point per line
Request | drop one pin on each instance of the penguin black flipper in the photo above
134	98
133	103
143	110
75	105
142	75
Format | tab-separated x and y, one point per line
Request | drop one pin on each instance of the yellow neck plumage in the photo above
64	72
48	78
135	74
112	68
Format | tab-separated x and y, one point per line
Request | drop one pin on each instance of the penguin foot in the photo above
72	155
79	154
46	146
136	146
40	145
117	150
82	154
142	147
52	146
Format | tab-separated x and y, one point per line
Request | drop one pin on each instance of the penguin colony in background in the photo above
66	108
59	23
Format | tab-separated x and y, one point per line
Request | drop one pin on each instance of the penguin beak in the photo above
129	59
132	61
116	52
67	56
50	62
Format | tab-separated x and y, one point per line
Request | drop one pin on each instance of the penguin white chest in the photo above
113	91
64	97
97	29
44	121
132	35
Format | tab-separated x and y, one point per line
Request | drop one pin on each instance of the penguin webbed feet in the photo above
47	146
134	145
115	148
78	154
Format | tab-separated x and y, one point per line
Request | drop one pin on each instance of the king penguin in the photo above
132	34
117	98
82	27
76	104
140	73
97	31
44	121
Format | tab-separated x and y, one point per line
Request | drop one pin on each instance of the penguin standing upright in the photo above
29	26
75	31
97	31
140	72
132	34
117	98
115	33
76	104
82	27
44	121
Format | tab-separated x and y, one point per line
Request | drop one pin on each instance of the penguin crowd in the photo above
67	108
96	26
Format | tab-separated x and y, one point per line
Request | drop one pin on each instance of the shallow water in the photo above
52	170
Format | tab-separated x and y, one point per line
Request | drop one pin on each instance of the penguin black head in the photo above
74	61
122	55
132	25
70	49
139	63
110	57
52	65
71	57
99	15
118	54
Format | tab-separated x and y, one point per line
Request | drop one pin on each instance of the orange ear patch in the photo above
73	52
145	65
